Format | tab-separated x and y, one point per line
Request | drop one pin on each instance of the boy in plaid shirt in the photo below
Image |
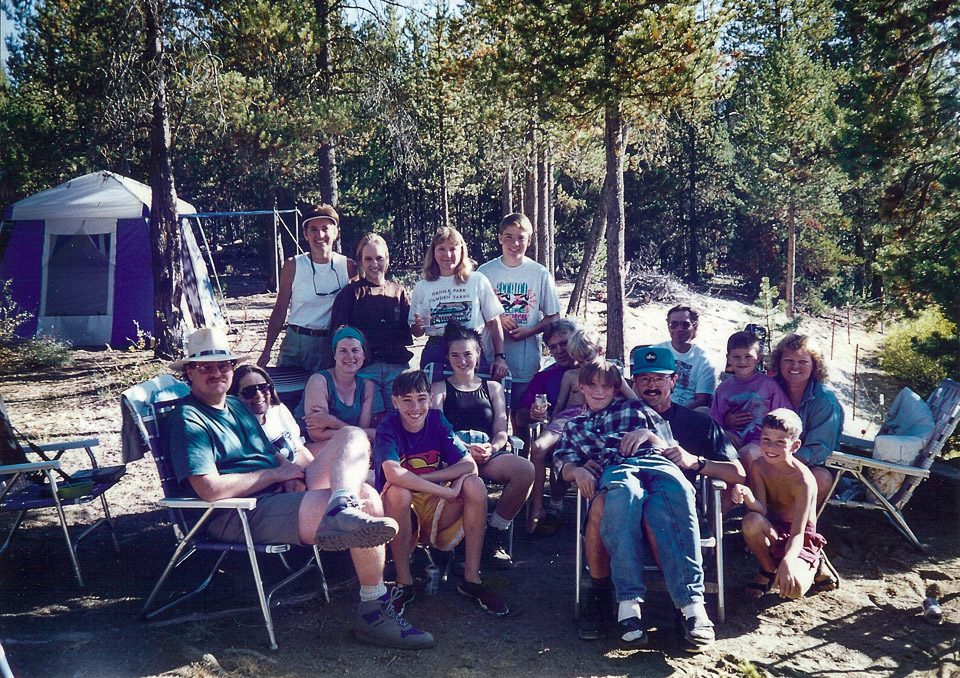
614	449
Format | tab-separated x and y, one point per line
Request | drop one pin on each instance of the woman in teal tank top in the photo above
338	397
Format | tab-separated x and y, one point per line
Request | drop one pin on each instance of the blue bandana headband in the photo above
347	333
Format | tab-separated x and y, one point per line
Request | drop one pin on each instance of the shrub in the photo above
921	350
18	354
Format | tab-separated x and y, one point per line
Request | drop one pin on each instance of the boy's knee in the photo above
754	523
396	496
473	489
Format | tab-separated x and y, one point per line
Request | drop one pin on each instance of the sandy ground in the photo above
871	626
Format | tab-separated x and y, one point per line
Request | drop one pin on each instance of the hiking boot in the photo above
595	613
495	555
378	623
698	634
345	526
632	634
407	594
489	601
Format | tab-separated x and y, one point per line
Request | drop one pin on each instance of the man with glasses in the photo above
696	373
701	449
219	451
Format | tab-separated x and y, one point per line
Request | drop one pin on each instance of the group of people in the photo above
379	454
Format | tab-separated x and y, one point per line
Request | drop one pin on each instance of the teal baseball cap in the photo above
656	359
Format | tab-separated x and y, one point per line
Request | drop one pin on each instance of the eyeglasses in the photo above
655	379
674	324
313	278
250	392
209	368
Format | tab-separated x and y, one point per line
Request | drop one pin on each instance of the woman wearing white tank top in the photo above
308	284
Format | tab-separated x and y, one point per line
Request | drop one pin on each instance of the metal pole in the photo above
856	364
848	323
833	332
276	252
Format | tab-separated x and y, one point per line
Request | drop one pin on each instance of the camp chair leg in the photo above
323	575
718	555
893	514
5	671
109	521
175	561
836	480
13	529
578	558
63	524
251	551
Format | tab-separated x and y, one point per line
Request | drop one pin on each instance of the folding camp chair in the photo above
708	505
944	404
149	403
35	485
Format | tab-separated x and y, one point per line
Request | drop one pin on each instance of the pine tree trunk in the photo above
551	213
590	249
506	191
543	209
791	258
530	199
614	142
165	242
693	250
327	153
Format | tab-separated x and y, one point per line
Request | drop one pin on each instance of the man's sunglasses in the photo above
209	368
685	324
250	392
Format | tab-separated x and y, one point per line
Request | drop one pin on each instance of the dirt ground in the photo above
49	627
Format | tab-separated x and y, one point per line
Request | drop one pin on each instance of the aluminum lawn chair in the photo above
944	404
149	403
42	484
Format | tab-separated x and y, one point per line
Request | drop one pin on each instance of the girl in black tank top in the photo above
469	410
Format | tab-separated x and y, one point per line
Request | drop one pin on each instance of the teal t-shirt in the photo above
202	439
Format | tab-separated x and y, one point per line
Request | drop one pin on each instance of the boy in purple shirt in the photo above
741	403
420	464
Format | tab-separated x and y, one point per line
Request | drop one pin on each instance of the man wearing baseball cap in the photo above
701	449
219	451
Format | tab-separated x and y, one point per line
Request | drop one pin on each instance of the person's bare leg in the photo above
539	451
516	475
749	454
824	478
344	525
594	551
396	504
759	534
474	495
342	463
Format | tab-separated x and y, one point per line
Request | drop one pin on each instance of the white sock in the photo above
556	505
498	523
337	495
629	608
368	593
694	610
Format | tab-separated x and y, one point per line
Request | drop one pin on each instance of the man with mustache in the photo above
702	449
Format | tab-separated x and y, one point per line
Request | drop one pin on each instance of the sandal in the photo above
827	577
759	587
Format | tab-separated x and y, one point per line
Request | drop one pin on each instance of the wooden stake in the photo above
833	331
856	364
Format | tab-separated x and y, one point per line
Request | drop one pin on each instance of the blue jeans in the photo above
382	375
651	487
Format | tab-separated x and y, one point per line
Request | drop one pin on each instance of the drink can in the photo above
541	400
931	611
433	580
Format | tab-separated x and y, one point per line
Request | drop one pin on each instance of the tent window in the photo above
78	275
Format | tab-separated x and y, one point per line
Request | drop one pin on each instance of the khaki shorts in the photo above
275	520
428	509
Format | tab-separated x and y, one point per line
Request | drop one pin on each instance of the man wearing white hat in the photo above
219	451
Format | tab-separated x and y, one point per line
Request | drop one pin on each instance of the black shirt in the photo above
698	434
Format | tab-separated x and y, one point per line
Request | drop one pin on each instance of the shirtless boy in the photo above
780	526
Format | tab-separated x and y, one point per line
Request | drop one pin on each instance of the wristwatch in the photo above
499	355
701	463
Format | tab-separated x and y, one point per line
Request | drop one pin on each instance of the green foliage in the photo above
921	351
18	354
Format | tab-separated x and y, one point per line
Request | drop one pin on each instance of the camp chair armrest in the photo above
10	469
69	445
848	462
516	444
717	484
247	503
